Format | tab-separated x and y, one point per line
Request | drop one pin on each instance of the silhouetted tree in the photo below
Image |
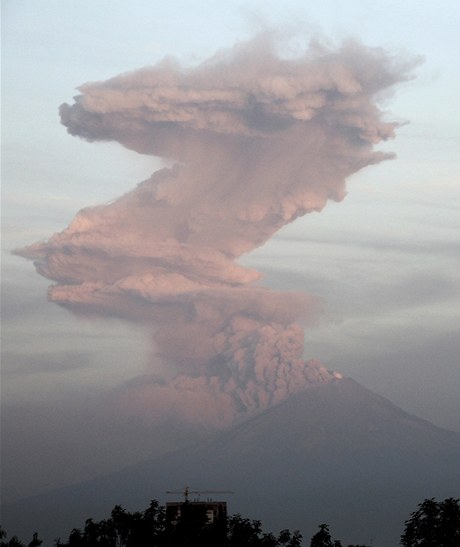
122	529
151	528
4	543
242	531
288	539
323	538
14	541
35	541
434	524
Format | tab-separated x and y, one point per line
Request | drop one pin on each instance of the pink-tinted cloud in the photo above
258	141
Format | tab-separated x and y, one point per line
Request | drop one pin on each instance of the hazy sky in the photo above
385	260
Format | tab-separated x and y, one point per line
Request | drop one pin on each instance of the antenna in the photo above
186	491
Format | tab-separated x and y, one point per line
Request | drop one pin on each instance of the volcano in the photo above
335	453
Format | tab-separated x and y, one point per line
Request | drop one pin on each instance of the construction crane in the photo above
186	491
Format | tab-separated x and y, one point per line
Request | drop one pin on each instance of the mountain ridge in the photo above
335	453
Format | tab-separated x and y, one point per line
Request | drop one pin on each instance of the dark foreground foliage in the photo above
434	524
14	541
148	529
323	538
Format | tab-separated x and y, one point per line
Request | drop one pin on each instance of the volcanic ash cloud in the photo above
257	141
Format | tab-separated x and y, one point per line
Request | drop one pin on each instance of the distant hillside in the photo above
336	453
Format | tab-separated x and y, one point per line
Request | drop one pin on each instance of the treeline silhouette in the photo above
433	524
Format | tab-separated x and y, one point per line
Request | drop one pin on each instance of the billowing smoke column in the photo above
257	141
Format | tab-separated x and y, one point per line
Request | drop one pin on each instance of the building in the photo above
203	512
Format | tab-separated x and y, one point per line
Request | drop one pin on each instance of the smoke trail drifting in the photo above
258	141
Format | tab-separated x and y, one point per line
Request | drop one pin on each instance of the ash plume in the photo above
257	140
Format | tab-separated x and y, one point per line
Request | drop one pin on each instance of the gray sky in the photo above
384	260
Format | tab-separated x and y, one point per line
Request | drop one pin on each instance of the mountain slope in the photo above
335	453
